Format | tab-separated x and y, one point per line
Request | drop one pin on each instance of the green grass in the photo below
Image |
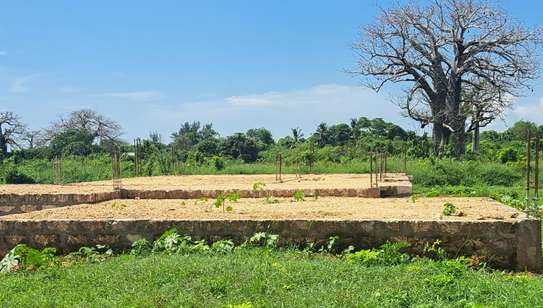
263	277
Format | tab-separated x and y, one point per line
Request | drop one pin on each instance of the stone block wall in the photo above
510	245
14	203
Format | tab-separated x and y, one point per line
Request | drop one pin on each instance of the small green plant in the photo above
23	256
92	254
434	251
258	187
264	239
270	200
367	257
141	247
233	197
299	196
10	262
387	254
201	200
220	202
449	209
331	245
167	242
118	205
223	247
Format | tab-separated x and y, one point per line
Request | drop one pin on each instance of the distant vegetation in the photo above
195	149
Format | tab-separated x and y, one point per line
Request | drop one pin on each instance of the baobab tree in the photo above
32	138
437	51
483	105
11	130
91	121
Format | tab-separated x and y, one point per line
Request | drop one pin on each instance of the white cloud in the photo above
520	110
136	96
20	84
531	112
323	95
281	110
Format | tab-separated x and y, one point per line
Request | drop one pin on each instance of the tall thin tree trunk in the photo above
460	140
440	138
476	141
437	138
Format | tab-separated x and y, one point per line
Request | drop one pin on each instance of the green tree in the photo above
73	142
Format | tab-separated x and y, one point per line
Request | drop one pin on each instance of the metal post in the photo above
137	161
405	160
386	164
371	170
58	172
528	164
116	169
381	166
536	180
275	167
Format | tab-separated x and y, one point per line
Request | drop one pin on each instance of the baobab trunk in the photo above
476	141
460	138
440	138
3	146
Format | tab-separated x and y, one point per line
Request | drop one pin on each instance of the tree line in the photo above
86	132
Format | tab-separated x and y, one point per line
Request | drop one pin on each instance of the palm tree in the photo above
322	135
297	134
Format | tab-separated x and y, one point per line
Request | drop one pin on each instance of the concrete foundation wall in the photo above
14	204
511	245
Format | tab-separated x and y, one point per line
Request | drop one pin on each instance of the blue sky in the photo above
152	65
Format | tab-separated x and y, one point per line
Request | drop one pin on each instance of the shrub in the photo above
387	254
218	162
299	196
141	247
508	155
224	246
264	239
449	209
15	177
24	257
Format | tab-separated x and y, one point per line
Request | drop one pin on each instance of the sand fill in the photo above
213	182
326	208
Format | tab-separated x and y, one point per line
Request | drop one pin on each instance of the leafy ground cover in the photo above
261	277
177	271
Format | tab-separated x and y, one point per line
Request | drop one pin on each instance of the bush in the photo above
15	177
387	254
218	163
508	155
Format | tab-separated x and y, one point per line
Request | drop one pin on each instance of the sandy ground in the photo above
213	182
329	208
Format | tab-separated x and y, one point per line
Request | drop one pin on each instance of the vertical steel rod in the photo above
386	164
371	170
405	160
536	180
281	167
528	164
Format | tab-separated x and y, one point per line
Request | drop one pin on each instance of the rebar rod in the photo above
536	176
528	164
371	170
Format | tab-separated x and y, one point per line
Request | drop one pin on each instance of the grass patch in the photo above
266	277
